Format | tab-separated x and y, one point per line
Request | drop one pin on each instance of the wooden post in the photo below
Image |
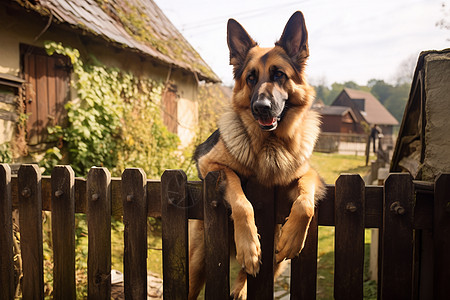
30	222
397	238
134	199
217	252
174	212
349	237
304	268
63	232
441	237
263	201
6	235
99	233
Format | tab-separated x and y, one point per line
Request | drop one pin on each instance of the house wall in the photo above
342	124
18	27
331	123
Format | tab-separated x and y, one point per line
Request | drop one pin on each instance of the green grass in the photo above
330	166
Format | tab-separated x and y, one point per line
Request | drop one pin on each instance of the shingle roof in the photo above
136	24
334	110
374	112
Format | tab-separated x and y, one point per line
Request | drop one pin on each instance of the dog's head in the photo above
267	79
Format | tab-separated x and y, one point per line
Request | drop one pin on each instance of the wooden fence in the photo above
402	209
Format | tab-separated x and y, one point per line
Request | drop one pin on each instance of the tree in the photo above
444	23
380	89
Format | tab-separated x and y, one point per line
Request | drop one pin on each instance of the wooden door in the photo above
170	108
47	91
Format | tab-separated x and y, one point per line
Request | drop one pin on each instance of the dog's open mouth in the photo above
268	123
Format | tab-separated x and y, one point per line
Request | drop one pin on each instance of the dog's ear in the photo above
294	39
239	43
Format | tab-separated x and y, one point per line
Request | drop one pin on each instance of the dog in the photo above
268	133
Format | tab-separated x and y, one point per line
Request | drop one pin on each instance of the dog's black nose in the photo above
262	106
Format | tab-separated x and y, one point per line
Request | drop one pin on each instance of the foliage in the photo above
213	101
114	122
6	155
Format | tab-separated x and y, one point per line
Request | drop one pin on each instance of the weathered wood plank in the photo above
174	211
217	253
326	207
304	268
98	192
134	199
397	238
30	222
6	235
63	232
349	237
263	201
441	235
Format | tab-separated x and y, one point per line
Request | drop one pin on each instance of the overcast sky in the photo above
349	40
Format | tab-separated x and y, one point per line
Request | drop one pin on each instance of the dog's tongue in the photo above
267	121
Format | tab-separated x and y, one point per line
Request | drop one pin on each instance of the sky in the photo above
349	40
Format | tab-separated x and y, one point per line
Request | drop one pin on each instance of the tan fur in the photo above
275	158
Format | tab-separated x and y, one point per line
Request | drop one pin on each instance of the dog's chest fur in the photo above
268	159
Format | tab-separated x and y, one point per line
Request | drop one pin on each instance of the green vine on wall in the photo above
114	121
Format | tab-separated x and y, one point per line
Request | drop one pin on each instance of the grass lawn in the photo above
330	166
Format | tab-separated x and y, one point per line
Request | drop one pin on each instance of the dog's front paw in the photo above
293	232
291	240
248	249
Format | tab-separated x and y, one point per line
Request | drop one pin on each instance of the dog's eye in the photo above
251	78
278	75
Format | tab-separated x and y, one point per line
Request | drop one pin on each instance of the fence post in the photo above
263	201
6	235
304	268
63	232
98	195
349	234
441	234
174	213
30	222
397	238
217	250
134	199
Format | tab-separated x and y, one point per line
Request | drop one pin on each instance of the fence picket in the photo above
30	222
304	268
174	211
263	201
349	237
63	232
216	223
134	200
6	235
397	238
99	233
441	234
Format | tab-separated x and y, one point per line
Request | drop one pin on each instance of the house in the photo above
367	110
132	35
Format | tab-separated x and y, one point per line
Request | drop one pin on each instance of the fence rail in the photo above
402	209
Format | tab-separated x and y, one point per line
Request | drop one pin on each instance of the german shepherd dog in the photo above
268	133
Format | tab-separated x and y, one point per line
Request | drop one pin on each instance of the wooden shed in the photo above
340	119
